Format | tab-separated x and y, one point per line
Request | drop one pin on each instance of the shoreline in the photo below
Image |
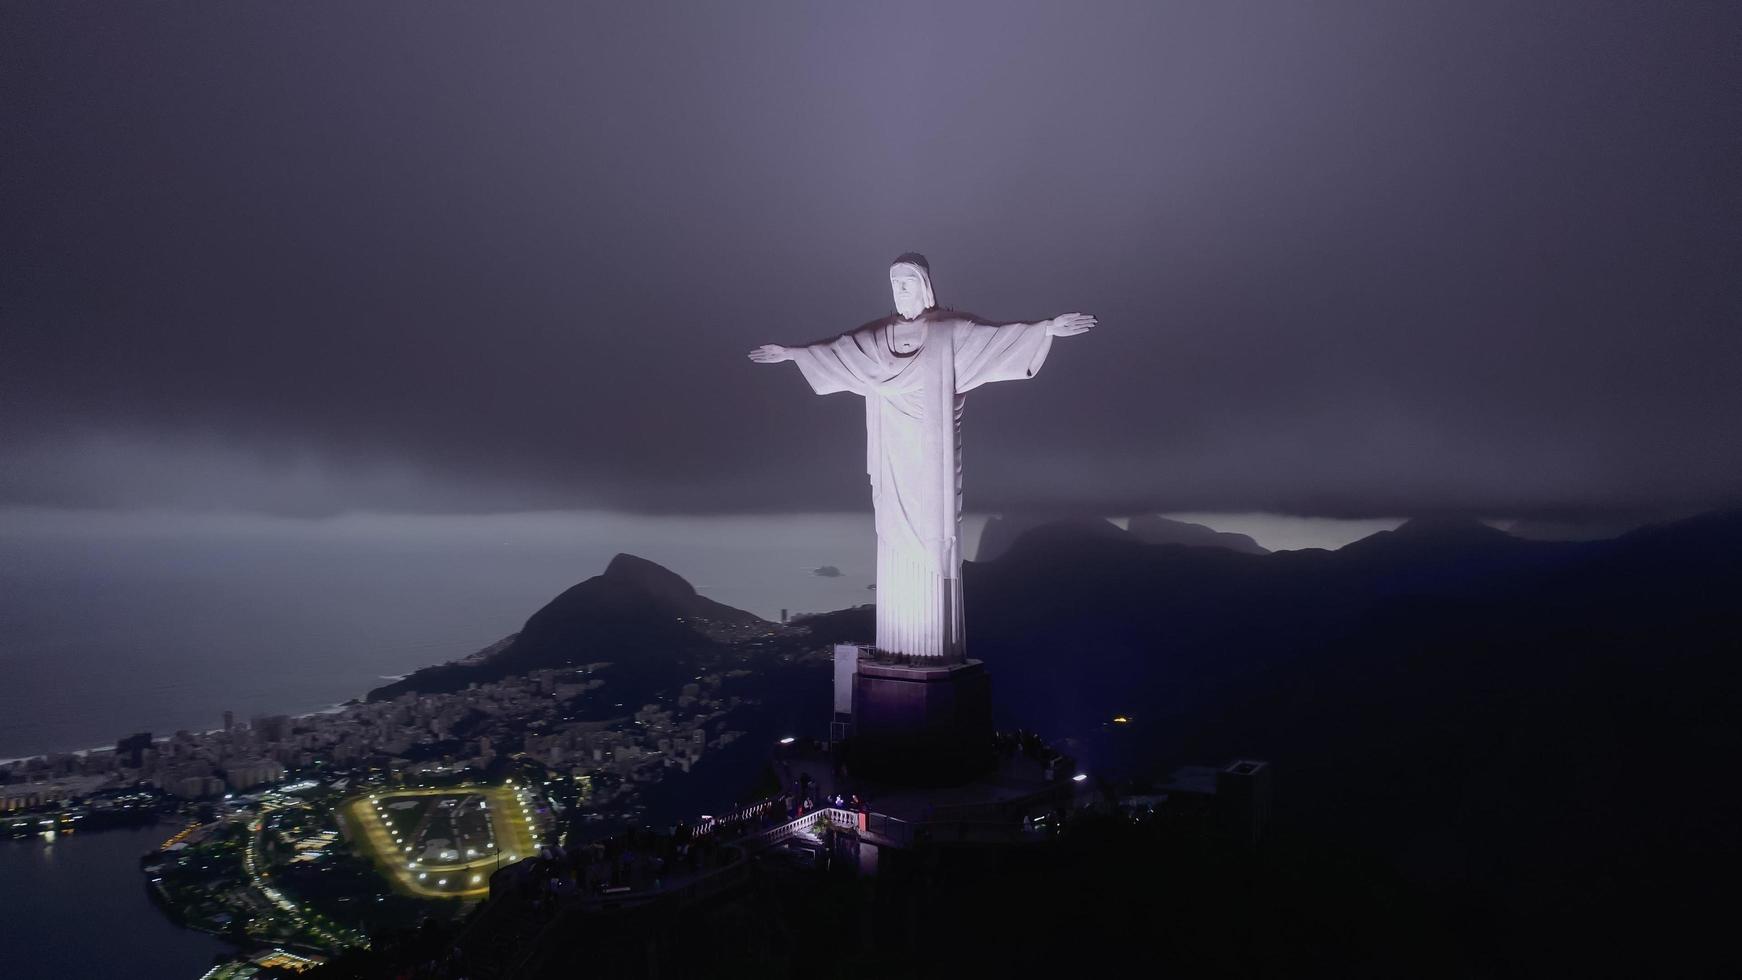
331	709
337	707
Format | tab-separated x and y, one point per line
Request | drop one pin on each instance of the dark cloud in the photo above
1352	260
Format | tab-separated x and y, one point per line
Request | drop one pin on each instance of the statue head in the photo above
910	280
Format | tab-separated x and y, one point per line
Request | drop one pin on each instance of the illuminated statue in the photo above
913	369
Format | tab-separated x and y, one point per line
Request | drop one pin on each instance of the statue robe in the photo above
913	427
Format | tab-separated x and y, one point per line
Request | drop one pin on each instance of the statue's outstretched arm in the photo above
770	354
776	353
1063	325
1070	324
836	364
988	352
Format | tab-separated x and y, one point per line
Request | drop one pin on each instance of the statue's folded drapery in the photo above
913	414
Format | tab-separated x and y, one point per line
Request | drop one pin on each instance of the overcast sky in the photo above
1350	260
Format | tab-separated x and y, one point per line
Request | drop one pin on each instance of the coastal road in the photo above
252	863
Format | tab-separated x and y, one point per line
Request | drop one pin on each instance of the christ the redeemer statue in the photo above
913	369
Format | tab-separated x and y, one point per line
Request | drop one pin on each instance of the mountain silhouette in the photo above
1074	621
1156	529
1002	532
631	580
1526	729
642	618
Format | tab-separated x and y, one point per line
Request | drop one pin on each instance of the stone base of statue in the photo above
920	724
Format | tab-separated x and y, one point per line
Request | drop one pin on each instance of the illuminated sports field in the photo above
442	843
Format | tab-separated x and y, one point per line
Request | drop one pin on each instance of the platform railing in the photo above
834	815
755	811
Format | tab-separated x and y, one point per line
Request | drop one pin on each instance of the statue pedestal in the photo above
915	725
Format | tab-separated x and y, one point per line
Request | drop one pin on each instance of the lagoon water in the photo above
78	907
112	624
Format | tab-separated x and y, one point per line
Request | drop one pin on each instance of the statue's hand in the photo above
770	354
1070	324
